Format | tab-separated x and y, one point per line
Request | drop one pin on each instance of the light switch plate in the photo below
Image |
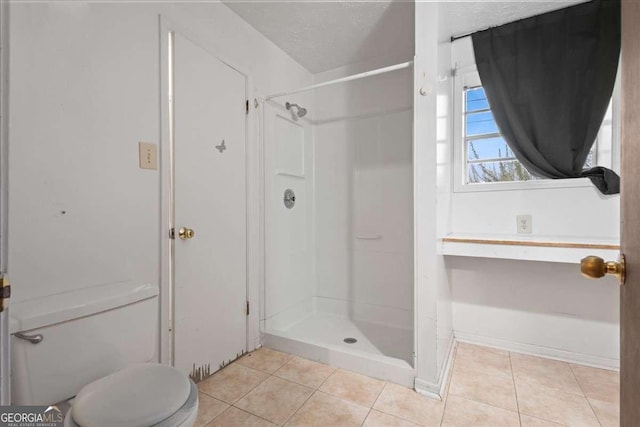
524	224
148	155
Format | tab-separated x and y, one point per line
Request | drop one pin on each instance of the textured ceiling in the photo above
325	35
461	17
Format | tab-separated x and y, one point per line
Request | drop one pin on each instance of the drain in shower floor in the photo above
350	340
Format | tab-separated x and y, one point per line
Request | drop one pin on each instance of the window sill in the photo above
535	248
545	184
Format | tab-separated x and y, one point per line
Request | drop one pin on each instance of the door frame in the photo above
630	194
5	353
252	164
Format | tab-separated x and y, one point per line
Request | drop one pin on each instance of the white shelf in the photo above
535	248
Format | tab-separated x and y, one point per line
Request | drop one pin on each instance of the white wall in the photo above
84	90
363	181
537	307
545	308
444	313
432	308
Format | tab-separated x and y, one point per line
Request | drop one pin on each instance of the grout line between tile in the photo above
374	402
515	390
326	379
401	418
448	386
285	364
585	395
237	400
212	419
365	418
397	415
240	398
547	421
219	415
475	401
384	386
254	387
316	390
260	370
305	385
257	416
300	407
556	361
486	404
294	412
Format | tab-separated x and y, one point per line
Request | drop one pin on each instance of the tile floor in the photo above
487	387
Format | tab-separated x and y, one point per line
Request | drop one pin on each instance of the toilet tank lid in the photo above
50	310
137	396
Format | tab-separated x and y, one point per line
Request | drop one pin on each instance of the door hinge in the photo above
172	233
5	292
246	106
247	308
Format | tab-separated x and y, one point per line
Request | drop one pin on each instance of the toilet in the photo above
95	350
139	384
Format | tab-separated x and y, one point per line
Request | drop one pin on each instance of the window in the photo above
488	156
482	161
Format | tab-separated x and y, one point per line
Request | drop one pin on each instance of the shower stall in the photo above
338	229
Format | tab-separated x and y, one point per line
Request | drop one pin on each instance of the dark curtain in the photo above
549	80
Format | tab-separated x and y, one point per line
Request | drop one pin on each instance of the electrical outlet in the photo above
523	224
148	155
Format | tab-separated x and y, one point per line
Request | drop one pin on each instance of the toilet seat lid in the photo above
137	396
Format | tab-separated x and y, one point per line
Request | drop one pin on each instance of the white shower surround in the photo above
315	329
357	197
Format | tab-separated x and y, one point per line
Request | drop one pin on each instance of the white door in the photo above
5	386
210	285
5	361
5	365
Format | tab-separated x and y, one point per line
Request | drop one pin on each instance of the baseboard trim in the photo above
536	350
427	388
438	390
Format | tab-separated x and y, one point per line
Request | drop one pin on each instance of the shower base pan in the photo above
381	351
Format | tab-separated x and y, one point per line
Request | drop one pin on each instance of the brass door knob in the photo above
595	267
186	233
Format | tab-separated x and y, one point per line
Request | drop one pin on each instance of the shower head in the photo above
300	111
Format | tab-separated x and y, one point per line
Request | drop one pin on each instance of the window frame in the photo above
468	77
